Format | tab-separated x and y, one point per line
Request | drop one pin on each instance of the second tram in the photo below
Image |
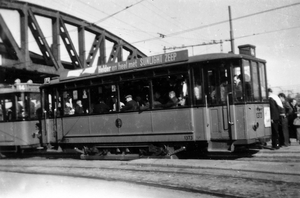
213	101
20	110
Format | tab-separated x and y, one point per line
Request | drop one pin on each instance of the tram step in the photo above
214	146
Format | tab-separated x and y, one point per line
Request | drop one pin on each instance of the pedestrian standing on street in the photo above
292	117
285	112
275	105
296	124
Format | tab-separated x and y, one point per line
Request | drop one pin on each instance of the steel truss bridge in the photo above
18	61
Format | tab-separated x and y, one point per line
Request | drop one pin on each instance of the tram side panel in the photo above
90	129
201	124
174	125
7	134
23	133
258	122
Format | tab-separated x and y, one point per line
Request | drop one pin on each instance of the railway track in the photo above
285	154
217	178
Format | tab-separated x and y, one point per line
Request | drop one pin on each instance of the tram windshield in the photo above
245	79
19	106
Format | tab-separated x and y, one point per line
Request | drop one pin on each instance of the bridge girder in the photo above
50	61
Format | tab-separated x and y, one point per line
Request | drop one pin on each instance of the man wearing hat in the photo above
130	105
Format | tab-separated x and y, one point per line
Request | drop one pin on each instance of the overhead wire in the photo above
163	16
134	27
153	24
266	32
217	23
111	15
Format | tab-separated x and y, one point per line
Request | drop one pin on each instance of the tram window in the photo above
262	79
20	106
139	91
237	87
255	82
102	98
68	103
76	102
246	79
197	81
34	110
9	108
170	91
218	84
49	105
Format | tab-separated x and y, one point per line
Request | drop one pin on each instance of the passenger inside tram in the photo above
238	88
173	100
158	101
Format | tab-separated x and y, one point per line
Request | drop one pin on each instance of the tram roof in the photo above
217	56
180	57
19	87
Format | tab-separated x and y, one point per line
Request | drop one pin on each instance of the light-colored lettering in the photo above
132	64
122	66
170	57
104	69
114	68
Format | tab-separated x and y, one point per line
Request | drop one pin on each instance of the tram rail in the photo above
219	178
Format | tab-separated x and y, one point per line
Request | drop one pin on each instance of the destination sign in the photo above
144	62
127	65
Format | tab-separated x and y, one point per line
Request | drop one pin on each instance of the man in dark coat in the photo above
101	107
130	105
275	105
285	112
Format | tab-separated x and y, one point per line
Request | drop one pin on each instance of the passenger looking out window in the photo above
130	105
142	104
115	104
68	107
238	88
79	107
172	102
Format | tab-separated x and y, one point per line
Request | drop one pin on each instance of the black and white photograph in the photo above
149	98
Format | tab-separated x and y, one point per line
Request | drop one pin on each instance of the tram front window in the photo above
20	106
219	85
34	110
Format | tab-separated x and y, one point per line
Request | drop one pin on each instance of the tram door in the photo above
52	124
217	87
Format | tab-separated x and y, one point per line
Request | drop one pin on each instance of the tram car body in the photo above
220	102
19	123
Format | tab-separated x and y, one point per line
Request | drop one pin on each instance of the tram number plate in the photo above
188	137
259	115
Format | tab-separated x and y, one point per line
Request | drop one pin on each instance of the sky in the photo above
273	26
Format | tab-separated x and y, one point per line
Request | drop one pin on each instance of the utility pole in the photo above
231	30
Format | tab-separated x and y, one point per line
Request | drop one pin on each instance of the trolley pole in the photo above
231	31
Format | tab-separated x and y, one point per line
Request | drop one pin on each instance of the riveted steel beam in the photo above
9	41
69	44
40	40
52	54
94	48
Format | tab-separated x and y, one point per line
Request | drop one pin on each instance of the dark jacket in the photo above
287	109
274	108
101	108
130	106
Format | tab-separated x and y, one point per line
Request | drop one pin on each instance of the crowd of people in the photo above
285	119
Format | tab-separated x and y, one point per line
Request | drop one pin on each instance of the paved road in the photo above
20	185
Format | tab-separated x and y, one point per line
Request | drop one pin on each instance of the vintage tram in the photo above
213	101
20	110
